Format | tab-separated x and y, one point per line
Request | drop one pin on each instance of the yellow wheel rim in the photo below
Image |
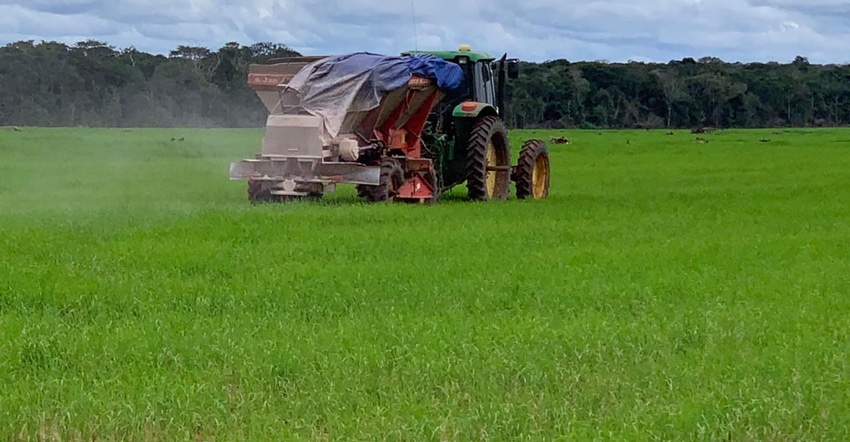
540	177
492	161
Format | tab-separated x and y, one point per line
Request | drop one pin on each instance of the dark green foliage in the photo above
93	84
680	94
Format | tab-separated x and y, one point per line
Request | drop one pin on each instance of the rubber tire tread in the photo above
391	177
476	163
528	154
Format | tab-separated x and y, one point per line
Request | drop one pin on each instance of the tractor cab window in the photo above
485	90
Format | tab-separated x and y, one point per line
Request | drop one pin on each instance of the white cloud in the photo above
615	30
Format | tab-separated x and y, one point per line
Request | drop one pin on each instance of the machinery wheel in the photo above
392	177
362	190
260	192
488	160
532	170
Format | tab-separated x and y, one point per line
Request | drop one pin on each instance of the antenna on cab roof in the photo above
415	33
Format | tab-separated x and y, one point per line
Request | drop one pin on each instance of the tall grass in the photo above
665	290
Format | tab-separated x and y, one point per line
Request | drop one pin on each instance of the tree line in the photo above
92	83
681	94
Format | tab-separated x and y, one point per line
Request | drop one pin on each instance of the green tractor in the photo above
467	138
392	127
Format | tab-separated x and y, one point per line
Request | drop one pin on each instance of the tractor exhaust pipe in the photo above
502	87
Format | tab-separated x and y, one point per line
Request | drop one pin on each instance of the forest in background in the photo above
94	84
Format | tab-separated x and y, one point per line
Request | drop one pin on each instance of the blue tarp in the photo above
449	76
334	86
388	72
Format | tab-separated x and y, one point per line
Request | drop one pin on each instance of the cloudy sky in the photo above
536	30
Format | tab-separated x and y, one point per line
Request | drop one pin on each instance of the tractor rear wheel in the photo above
532	170
488	160
392	177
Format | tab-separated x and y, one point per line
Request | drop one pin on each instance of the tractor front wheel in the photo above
488	160
532	170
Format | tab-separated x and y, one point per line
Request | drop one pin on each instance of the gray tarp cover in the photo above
333	86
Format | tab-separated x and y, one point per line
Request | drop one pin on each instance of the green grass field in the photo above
665	290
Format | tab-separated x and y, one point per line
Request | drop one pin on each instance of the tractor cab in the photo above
484	79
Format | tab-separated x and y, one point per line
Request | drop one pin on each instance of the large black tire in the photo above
532	170
488	132
392	177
